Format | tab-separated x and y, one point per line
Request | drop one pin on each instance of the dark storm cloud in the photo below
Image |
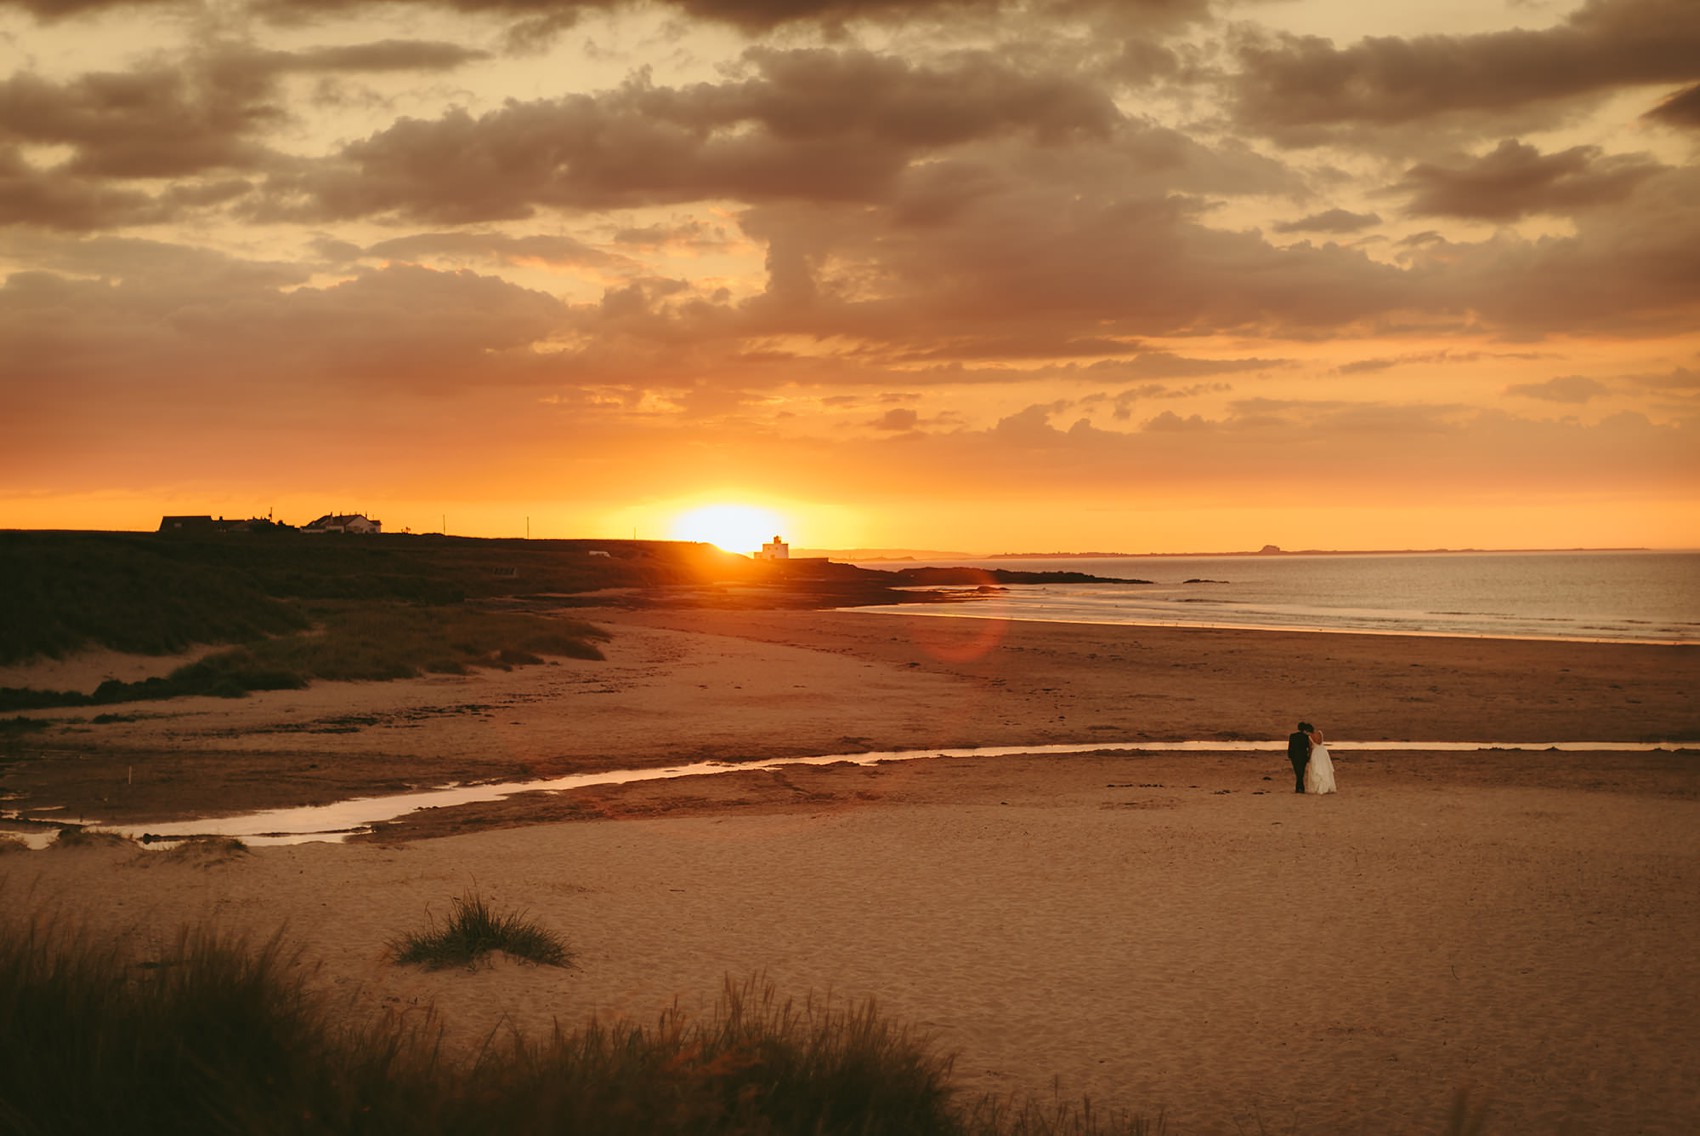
832	125
1292	81
1681	109
1515	180
1575	389
1330	221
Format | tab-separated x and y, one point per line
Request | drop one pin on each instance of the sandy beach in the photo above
1165	933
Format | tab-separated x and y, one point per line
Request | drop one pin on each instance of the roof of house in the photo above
339	519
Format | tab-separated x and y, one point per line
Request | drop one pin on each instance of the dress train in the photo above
1319	774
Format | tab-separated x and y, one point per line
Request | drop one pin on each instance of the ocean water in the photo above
1636	597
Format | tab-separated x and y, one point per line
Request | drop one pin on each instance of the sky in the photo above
979	275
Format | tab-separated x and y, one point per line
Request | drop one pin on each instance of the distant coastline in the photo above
1267	551
1272	550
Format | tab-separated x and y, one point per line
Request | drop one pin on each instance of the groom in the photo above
1298	752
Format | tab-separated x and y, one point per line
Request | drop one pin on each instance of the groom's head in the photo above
1306	727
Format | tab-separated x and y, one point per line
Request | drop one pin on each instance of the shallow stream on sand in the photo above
336	822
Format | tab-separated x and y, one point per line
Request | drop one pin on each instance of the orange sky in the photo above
980	275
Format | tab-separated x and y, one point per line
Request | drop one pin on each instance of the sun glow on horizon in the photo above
731	528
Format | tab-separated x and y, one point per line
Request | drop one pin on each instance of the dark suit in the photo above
1298	752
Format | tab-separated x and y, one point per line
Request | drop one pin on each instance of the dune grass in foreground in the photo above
213	1034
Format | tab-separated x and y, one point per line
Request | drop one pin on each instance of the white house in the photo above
343	523
774	549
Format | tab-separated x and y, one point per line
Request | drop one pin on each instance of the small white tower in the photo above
774	549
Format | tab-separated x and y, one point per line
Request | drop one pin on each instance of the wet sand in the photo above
1166	933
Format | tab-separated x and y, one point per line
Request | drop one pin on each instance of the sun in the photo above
731	528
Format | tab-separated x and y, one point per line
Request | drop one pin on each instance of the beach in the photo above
1174	934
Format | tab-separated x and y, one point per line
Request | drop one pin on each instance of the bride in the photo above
1319	771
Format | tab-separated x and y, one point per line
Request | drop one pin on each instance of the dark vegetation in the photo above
295	607
473	931
213	1035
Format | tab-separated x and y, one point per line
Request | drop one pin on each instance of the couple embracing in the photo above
1313	769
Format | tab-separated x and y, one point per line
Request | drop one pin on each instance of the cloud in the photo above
1124	401
1628	270
1164	364
62	9
1451	358
817	124
897	419
1328	453
1330	221
149	123
53	199
749	16
375	56
200	123
676	234
135	323
1575	389
1289	83
496	248
1681	109
1681	378
1515	180
1169	422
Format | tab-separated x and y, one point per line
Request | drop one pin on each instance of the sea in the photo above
1616	596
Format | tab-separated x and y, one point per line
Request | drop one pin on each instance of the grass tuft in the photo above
90	838
206	851
474	931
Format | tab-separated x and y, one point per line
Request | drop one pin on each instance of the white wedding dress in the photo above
1319	774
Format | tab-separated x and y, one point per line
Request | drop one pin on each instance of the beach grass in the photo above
352	641
206	851
473	931
205	1034
212	1033
77	837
